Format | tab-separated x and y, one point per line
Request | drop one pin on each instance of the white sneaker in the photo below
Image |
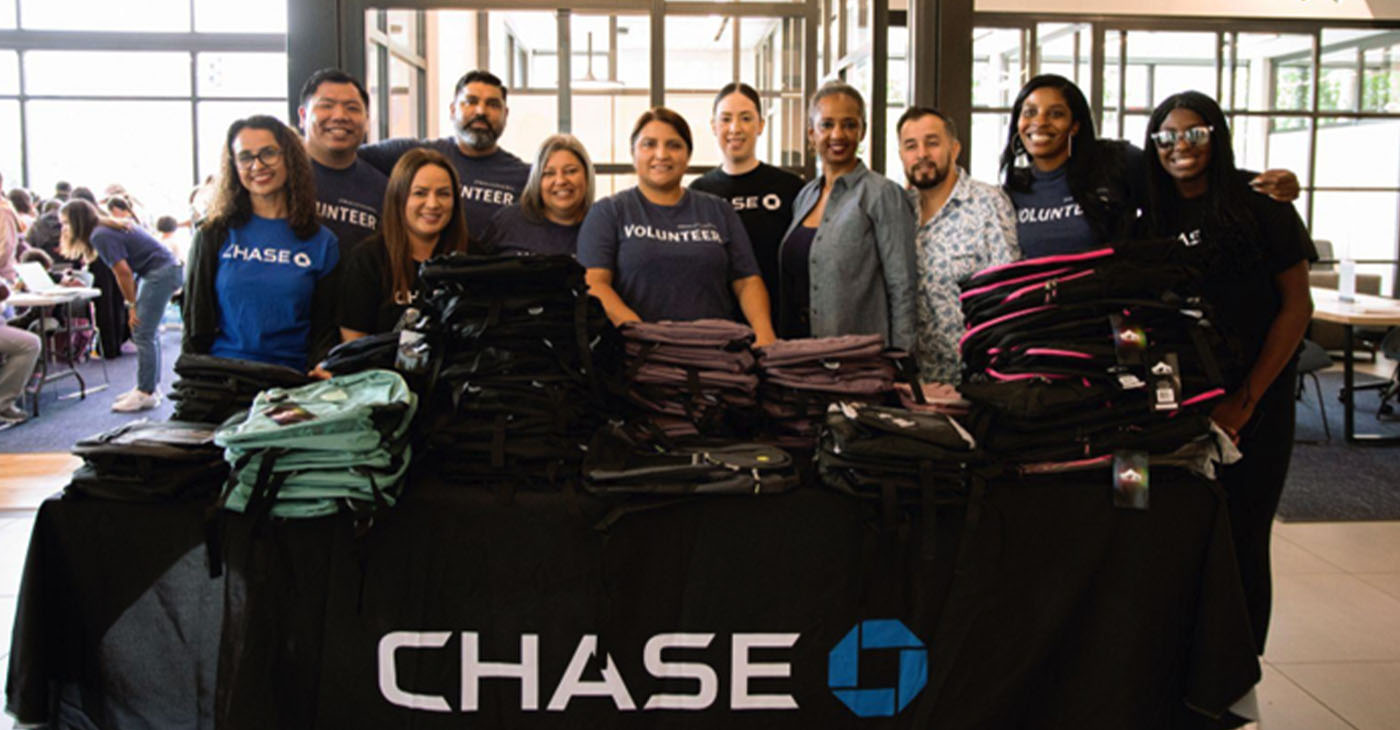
136	401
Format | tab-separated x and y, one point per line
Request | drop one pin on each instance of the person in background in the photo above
422	219
1072	191
121	208
148	275
1255	253
552	206
23	206
964	226
761	194
169	234
82	193
334	117
660	252
261	272
847	260
61	190
492	178
19	352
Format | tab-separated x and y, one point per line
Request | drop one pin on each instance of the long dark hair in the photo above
1228	224
233	207
452	237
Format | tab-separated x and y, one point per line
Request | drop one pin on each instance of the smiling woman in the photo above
553	204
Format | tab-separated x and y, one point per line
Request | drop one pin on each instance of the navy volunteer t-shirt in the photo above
265	283
1048	220
763	199
348	201
511	232
145	255
669	261
488	183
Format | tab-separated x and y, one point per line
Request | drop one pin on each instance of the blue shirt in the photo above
488	183
145	255
510	231
1048	220
669	261
975	229
265	282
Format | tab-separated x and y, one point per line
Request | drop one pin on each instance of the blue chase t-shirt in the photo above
1048	220
264	284
669	261
144	254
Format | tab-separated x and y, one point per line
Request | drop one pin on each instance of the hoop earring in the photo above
1018	151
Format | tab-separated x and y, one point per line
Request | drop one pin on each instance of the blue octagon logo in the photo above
843	668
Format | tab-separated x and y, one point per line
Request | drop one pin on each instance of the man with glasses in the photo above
333	116
964	226
492	178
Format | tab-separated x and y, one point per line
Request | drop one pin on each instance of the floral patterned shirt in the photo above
975	229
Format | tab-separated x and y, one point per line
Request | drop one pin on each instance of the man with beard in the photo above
491	177
964	226
334	113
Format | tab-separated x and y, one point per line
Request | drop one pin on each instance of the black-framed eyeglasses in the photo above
1195	136
269	156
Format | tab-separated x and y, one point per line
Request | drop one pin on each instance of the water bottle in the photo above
1346	283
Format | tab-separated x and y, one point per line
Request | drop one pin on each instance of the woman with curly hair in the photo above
260	283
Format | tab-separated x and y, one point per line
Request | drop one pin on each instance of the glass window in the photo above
1170	62
11	152
215	117
998	66
603	122
1263	143
857	24
243	16
534	38
403	28
1337	90
696	108
532	118
7	15
1065	49
9	72
242	74
372	51
1340	147
107	73
770	59
1349	221
403	98
1293	84
1135	128
988	136
1257	56
699	52
145	146
1380	87
111	15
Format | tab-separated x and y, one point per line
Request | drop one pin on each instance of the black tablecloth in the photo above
1057	611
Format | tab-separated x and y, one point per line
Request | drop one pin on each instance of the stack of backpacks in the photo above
150	461
894	454
311	451
211	389
625	462
1077	356
801	378
517	359
691	378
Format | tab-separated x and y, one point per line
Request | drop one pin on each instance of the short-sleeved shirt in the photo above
265	281
348	201
488	183
763	199
511	231
1242	293
367	292
669	261
1048	220
144	254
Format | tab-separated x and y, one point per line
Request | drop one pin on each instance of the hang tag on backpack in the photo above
413	354
1129	340
1130	477
1164	377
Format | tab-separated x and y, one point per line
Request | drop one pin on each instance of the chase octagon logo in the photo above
843	668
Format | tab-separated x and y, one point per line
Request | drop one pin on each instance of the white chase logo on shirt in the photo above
281	256
770	201
351	214
693	235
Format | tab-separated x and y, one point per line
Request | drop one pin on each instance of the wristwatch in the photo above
130	305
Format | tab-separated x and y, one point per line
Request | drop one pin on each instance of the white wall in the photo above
1325	9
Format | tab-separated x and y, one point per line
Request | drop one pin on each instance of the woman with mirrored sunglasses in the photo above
260	283
1073	191
1254	253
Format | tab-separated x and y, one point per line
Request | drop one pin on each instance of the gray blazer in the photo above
862	265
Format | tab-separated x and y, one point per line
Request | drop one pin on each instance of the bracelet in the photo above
130	305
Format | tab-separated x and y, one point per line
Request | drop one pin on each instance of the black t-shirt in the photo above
511	232
366	291
763	199
1240	286
348	201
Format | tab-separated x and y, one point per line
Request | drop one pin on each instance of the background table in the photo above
1363	310
46	303
1040	606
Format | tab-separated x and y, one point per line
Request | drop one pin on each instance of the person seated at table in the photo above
19	353
552	206
1257	252
421	218
261	269
660	252
847	262
147	274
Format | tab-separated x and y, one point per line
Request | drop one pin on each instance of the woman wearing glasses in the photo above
1071	190
1255	252
259	285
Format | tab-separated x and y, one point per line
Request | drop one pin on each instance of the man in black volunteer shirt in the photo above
491	177
334	115
760	193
